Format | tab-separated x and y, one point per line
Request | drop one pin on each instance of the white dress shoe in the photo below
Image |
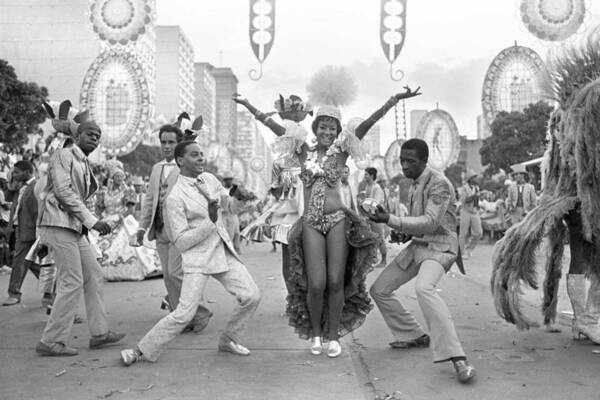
334	349
234	348
316	346
130	356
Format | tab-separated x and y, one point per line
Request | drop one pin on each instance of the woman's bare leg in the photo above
315	248
337	255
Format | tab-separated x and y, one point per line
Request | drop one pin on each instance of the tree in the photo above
516	137
20	107
140	161
454	174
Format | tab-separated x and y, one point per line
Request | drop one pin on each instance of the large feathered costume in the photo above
571	196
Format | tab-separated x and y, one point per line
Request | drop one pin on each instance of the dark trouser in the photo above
20	267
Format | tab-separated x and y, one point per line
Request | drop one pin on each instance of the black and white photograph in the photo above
299	199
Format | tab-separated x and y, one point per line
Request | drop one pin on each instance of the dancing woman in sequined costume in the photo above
331	249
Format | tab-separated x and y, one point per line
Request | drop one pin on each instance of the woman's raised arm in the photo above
265	119
363	127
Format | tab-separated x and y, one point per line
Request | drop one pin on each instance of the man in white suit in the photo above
521	197
196	228
163	177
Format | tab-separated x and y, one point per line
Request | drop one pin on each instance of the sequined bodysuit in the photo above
319	180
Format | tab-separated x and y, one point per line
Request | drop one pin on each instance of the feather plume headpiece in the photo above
332	86
191	130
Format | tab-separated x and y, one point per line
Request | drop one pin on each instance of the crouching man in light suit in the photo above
196	228
432	224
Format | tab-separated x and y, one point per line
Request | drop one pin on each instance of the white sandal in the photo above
334	349
316	347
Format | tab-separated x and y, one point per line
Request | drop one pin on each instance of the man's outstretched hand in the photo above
381	215
102	227
407	94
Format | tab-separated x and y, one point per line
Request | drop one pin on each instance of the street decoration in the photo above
257	164
262	32
512	81
392	159
115	91
552	20
120	21
438	129
392	32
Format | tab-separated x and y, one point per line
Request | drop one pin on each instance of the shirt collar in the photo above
188	179
165	162
423	177
77	152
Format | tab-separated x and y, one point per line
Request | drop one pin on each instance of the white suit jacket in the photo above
202	243
529	196
151	198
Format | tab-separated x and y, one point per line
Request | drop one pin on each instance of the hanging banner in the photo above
392	32
262	31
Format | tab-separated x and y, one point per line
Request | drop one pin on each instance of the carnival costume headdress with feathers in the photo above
65	121
191	130
572	171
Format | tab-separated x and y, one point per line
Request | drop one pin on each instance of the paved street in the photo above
510	364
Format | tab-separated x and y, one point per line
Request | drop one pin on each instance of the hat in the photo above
518	169
329	111
137	181
227	175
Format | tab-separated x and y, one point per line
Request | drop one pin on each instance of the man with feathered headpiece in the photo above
569	204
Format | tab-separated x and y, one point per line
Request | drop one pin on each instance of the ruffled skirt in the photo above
274	224
357	303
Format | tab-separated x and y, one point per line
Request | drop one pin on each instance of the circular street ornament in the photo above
116	93
438	129
392	159
512	81
257	164
120	21
553	20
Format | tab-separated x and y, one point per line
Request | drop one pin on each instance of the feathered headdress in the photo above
292	104
572	177
332	86
65	120
191	130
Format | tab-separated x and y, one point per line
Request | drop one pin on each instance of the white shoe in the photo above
234	348
316	347
334	349
129	356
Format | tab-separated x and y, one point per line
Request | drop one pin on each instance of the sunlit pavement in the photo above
510	364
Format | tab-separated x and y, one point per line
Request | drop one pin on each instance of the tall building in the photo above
415	118
469	157
174	72
49	42
250	144
226	112
205	94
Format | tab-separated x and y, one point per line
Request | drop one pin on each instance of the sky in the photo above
448	48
